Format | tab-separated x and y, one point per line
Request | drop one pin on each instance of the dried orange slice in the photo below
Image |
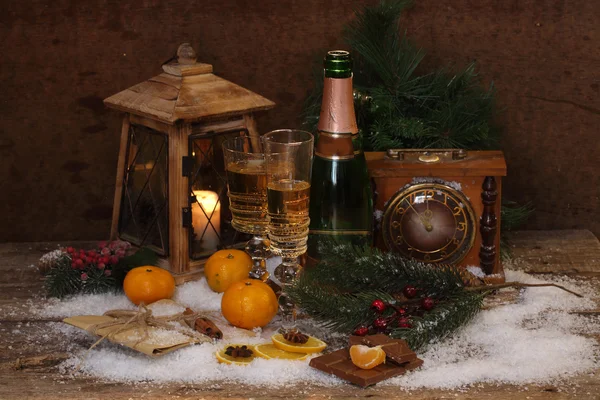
313	345
366	357
268	351
225	358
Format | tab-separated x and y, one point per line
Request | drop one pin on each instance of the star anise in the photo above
239	351
295	337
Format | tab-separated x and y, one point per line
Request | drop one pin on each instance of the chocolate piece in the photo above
339	364
396	350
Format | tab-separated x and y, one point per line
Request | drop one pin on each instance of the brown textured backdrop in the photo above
58	144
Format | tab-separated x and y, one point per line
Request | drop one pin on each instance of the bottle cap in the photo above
338	64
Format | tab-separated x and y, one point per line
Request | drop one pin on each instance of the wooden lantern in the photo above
171	192
440	206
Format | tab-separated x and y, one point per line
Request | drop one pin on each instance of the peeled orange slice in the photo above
366	357
224	358
268	351
313	345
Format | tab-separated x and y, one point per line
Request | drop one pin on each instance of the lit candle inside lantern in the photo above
209	235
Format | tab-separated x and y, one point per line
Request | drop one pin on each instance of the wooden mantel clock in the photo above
440	206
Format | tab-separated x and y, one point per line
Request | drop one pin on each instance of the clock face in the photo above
430	222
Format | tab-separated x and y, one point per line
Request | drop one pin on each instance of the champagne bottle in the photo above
341	201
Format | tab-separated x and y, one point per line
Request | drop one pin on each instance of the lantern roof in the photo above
187	90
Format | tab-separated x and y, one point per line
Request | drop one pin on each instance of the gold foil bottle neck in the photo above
337	108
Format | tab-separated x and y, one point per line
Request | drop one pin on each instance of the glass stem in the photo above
286	272
259	249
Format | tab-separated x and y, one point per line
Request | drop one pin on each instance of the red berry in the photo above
89	260
73	264
409	291
404	323
361	331
107	272
378	306
70	249
380	324
84	276
101	266
114	260
101	244
79	262
427	303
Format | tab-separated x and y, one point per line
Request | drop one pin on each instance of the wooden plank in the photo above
218	126
114	229
178	199
209	95
139	103
31	345
250	123
167	79
150	123
156	89
187	69
573	252
478	163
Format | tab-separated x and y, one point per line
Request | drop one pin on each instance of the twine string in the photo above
143	319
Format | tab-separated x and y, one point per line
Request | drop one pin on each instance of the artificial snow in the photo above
536	340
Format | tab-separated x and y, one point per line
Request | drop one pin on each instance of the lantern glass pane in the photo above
211	218
143	220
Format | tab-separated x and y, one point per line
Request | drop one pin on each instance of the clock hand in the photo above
424	220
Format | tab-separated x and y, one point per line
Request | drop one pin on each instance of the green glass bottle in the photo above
341	201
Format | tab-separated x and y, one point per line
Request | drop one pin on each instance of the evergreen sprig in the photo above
440	322
62	280
339	290
398	105
364	268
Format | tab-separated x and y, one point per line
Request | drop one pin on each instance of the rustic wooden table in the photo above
30	353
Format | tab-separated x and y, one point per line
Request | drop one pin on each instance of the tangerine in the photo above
226	267
249	304
366	357
148	284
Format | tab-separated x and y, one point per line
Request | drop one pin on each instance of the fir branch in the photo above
62	280
408	108
363	268
440	322
514	215
341	312
98	282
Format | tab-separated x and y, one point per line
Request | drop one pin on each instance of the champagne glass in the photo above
288	156
247	191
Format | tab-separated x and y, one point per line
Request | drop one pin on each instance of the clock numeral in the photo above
411	198
429	194
395	224
455	241
399	210
427	257
443	254
457	210
462	226
398	241
445	199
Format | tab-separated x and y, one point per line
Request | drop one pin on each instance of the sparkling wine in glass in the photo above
247	192
288	155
